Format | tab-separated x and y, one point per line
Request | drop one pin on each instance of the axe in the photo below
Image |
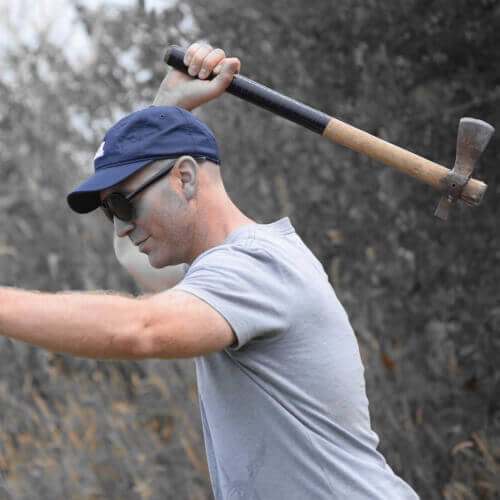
473	137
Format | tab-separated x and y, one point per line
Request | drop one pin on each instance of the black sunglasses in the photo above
119	205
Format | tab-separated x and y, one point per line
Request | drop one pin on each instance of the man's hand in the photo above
178	89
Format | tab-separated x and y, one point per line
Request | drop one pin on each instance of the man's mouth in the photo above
141	242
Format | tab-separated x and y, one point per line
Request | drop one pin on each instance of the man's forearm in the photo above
91	325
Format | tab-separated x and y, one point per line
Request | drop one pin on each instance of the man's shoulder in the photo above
233	254
276	256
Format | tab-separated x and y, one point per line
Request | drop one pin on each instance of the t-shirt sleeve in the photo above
245	286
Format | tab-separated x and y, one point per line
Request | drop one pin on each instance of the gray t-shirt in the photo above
284	409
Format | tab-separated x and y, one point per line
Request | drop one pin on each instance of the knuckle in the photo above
218	53
195	61
193	48
206	66
199	57
208	60
190	52
213	58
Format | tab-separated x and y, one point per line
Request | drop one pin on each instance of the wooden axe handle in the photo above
411	164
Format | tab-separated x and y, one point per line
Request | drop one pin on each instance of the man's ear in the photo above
189	175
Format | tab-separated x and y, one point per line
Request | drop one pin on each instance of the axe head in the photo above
473	137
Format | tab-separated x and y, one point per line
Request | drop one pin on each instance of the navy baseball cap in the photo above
151	134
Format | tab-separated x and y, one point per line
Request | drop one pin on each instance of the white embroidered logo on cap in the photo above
100	152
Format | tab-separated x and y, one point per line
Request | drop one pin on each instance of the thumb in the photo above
228	69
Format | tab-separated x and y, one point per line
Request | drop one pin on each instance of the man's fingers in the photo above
190	52
211	60
201	60
197	59
230	64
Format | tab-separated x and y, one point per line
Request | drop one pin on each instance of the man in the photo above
280	379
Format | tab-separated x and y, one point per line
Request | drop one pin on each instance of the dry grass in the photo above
99	431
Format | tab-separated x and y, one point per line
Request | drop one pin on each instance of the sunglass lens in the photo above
119	206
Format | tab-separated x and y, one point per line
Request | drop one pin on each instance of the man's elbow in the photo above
153	335
178	325
136	336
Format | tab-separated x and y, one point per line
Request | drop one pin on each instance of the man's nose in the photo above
122	228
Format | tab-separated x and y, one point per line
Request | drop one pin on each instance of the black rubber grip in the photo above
262	96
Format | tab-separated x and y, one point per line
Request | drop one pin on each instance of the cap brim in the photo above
85	197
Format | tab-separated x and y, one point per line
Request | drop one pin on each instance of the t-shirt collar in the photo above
281	226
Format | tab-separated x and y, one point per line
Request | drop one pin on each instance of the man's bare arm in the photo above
169	325
91	325
109	326
178	89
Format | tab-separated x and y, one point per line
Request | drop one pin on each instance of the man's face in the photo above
160	226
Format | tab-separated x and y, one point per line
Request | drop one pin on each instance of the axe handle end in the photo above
405	161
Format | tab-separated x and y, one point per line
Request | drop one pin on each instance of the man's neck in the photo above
217	225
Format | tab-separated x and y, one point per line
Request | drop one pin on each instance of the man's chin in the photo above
159	263
154	262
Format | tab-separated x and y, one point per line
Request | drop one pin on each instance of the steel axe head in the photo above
473	137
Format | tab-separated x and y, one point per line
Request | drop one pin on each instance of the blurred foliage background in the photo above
422	294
